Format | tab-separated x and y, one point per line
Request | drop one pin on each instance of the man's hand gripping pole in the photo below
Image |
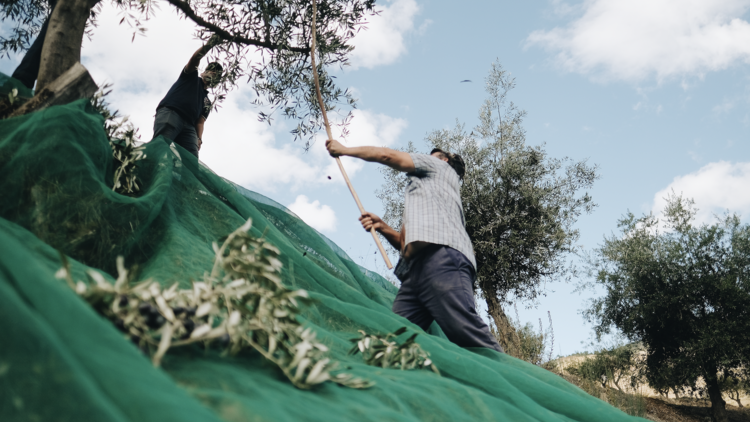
330	136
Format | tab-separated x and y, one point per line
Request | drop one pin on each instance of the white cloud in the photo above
636	39
383	40
236	145
725	107
320	217
366	129
242	149
715	187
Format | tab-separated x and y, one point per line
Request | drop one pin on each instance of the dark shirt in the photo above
188	97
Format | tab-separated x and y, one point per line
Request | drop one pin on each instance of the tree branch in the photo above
225	35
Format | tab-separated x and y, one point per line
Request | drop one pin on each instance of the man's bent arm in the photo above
391	235
370	220
398	160
199	130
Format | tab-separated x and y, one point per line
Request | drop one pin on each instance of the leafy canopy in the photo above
265	41
680	288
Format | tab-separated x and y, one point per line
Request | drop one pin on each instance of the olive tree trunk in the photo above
62	46
718	405
508	338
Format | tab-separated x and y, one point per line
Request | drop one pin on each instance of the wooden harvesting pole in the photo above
330	136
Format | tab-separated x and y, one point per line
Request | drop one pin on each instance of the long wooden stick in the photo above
330	136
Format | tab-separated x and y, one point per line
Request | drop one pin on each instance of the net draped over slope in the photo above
60	360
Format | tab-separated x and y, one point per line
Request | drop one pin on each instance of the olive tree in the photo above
520	203
682	289
278	29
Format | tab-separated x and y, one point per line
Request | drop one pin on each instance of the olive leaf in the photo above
242	304
386	352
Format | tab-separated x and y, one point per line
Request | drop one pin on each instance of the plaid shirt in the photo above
432	209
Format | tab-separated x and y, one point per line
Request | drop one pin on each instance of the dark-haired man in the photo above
437	266
182	112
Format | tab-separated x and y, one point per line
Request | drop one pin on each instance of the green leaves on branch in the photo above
12	96
122	137
385	352
264	43
270	46
241	305
25	21
682	288
126	155
612	365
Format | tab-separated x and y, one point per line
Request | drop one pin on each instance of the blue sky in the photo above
656	92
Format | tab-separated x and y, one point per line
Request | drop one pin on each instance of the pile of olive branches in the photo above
241	304
126	155
385	352
122	136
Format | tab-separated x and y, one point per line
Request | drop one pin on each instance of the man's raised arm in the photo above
397	160
195	60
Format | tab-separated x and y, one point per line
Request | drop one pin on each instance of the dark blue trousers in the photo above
175	128
28	69
439	287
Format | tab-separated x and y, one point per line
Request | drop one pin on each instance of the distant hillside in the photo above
644	401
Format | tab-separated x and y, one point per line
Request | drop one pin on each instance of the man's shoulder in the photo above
431	166
188	74
424	163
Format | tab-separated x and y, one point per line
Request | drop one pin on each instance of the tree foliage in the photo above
520	204
265	41
683	290
615	365
27	17
528	344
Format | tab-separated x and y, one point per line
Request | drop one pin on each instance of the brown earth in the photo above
657	408
689	410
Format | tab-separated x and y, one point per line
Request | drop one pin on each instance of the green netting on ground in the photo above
59	360
7	84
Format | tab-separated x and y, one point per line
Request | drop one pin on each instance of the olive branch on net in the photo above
242	304
386	352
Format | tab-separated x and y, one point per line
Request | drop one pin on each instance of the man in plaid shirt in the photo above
437	266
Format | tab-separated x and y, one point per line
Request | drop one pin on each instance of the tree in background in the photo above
520	204
683	290
735	384
615	365
279	30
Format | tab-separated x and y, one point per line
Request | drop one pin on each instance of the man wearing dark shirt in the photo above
182	112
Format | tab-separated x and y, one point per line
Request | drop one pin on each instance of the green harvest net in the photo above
61	361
